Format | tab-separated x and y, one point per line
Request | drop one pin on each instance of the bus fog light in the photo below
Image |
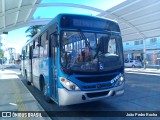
120	92
74	87
68	84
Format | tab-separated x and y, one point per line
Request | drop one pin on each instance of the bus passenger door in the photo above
22	62
54	53
30	57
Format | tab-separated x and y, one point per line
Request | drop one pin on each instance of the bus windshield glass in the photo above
90	52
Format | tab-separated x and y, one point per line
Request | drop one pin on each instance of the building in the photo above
2	47
2	41
134	50
10	54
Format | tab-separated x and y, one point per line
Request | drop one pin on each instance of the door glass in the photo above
54	63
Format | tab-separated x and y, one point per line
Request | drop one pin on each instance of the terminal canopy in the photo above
138	19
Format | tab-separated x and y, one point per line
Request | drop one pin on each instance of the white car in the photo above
132	63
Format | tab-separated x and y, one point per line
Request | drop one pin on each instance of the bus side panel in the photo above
27	69
50	68
44	70
41	67
36	73
22	68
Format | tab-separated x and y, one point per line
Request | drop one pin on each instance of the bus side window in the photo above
35	49
44	45
34	44
31	50
23	54
27	52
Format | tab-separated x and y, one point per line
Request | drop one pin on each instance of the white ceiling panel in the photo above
11	4
132	6
131	37
152	33
127	31
142	11
22	15
10	19
1	23
0	6
146	19
15	12
109	16
123	26
139	19
148	26
27	2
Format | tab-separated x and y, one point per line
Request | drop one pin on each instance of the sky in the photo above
17	38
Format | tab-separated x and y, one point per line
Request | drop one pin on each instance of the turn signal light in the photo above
62	79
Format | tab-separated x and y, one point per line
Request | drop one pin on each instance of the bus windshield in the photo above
90	52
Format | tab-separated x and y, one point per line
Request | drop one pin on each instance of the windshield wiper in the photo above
82	36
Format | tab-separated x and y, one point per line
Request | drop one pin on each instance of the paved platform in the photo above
143	70
147	71
14	96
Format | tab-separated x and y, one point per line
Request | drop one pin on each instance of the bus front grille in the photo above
97	94
103	86
96	78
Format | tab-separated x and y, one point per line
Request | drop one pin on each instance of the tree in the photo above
1	53
1	56
33	30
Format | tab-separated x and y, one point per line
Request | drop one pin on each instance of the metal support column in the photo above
144	53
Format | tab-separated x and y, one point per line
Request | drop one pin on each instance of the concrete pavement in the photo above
15	96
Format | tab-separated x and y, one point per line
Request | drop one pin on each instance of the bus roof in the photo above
92	21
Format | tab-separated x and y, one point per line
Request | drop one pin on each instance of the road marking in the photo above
158	74
13	104
18	98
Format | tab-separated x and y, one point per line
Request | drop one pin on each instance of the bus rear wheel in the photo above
44	90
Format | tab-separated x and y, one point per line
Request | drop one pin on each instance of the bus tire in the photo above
28	83
44	90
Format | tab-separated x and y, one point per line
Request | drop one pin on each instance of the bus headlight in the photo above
120	81
68	84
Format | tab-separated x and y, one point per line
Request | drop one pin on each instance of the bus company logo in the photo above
6	114
99	86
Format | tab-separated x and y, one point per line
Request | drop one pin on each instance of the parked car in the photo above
132	63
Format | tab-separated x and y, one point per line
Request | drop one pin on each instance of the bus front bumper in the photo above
74	97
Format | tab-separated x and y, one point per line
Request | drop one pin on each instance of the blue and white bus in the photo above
75	59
